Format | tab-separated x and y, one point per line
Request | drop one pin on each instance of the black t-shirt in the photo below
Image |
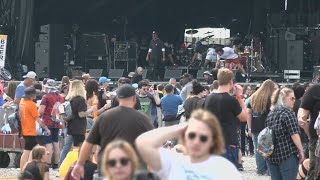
115	103
156	46
119	122
192	104
77	125
311	101
226	108
258	119
33	168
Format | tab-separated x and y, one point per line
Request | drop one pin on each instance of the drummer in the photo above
232	60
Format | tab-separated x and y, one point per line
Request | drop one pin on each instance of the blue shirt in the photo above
19	92
169	104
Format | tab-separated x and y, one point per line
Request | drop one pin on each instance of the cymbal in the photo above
192	31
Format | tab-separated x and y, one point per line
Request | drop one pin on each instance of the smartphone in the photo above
155	87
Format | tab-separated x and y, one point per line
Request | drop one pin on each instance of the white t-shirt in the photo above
211	55
177	166
228	53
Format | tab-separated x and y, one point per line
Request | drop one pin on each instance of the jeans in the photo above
260	161
314	161
232	155
68	140
286	170
243	140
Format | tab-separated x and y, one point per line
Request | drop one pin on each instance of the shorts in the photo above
78	140
89	123
29	142
53	138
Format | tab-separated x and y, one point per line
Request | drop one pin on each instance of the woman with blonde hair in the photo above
37	164
203	139
77	123
119	161
288	151
258	105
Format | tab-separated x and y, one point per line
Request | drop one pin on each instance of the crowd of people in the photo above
179	130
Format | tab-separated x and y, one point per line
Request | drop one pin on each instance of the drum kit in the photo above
251	60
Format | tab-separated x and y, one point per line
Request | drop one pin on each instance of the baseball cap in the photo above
104	79
125	91
207	73
30	75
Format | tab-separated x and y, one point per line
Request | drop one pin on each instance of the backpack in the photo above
267	140
65	111
14	122
55	113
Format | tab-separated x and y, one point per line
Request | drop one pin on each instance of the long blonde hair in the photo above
124	146
260	99
76	89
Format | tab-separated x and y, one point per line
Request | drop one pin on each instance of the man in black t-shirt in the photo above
156	56
310	106
120	122
229	110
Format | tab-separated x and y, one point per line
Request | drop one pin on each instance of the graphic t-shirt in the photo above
146	105
177	166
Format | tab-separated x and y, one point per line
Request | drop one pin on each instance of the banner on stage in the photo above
3	48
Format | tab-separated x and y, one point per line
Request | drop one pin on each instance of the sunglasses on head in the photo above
123	162
193	135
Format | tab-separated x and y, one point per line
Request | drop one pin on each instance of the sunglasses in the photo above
123	162
203	138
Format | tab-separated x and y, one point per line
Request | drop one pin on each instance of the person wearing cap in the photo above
103	92
187	86
207	76
120	122
156	56
48	106
123	81
28	81
29	115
